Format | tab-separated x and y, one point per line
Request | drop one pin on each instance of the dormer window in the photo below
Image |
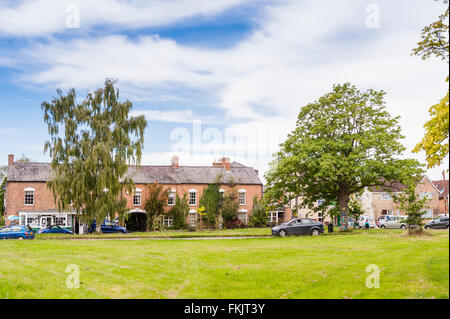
29	196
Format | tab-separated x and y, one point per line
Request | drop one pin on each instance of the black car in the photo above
438	223
298	226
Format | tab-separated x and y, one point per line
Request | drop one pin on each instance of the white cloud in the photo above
184	116
46	17
294	56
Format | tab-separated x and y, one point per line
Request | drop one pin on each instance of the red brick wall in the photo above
427	186
181	189
43	198
442	207
15	198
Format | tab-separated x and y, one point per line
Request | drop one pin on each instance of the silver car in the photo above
395	222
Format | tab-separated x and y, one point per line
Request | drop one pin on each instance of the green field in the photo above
332	266
242	232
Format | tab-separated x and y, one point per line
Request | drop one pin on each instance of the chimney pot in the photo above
175	162
226	163
11	159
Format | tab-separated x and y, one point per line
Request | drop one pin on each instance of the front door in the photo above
46	221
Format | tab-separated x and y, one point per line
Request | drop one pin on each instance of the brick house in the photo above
375	201
442	186
378	201
28	197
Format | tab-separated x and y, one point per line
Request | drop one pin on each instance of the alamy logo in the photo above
373	280
73	16
373	19
73	279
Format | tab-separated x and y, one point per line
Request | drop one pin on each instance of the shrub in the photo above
236	223
179	212
259	213
230	206
212	200
412	206
154	205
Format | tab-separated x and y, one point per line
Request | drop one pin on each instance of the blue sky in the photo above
241	69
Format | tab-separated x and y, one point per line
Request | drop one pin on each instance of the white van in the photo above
366	220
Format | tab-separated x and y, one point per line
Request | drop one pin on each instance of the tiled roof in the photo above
40	172
388	187
394	186
440	185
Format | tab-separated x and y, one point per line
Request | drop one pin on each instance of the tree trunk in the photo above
98	229
344	199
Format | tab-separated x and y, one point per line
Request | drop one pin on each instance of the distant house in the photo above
442	186
28	197
375	202
378	201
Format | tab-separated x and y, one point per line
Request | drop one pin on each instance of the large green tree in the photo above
342	143
435	43
91	145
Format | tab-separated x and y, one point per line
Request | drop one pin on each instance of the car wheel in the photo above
315	232
403	226
20	238
383	226
282	233
427	227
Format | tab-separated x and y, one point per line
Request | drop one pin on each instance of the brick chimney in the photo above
10	159
175	162
224	162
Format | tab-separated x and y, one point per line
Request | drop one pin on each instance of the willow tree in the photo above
342	143
91	145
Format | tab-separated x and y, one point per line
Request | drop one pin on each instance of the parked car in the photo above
382	219
438	223
299	226
366	222
395	222
16	232
54	229
108	227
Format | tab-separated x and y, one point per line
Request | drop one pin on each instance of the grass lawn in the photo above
294	267
243	232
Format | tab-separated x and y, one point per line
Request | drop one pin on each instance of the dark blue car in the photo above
54	229
108	227
16	232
